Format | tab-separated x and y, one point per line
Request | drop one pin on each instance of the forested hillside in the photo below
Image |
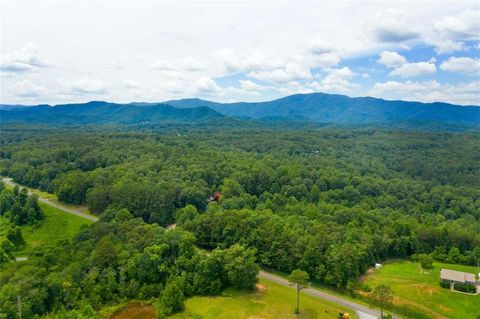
319	108
330	202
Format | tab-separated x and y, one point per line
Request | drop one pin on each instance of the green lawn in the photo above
56	226
422	290
269	301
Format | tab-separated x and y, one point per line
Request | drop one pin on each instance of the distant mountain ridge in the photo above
314	108
107	113
334	108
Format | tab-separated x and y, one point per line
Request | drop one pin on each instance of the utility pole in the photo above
19	304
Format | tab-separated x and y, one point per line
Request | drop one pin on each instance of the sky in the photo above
59	52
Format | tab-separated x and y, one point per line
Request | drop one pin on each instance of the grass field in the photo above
57	226
422	291
269	301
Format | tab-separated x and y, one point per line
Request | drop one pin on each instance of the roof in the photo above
458	276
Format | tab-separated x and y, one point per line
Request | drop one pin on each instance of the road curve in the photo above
73	211
362	310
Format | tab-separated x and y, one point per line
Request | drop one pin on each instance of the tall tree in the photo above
382	294
299	278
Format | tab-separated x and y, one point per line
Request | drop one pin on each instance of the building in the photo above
453	276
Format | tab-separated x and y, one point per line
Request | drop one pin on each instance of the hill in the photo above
341	109
313	108
107	113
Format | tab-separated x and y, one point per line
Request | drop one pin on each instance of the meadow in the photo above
420	289
56	227
270	300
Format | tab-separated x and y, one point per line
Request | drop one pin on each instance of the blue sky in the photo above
64	51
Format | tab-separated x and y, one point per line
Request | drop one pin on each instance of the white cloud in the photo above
319	47
191	64
336	81
129	84
168	46
447	46
27	89
394	26
233	62
162	65
23	60
248	85
429	91
292	71
449	33
463	65
465	25
208	86
414	69
82	86
391	59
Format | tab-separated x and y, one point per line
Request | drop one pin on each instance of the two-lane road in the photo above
363	311
73	211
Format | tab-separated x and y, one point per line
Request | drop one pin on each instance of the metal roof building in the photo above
457	276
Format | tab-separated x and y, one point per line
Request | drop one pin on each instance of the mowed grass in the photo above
57	225
270	300
421	290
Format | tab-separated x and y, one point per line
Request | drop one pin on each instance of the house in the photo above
453	277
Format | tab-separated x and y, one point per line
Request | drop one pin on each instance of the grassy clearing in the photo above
421	290
135	310
269	301
56	226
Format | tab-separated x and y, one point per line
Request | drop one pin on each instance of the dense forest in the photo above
331	202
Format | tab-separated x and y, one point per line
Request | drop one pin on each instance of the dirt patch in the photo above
260	287
135	310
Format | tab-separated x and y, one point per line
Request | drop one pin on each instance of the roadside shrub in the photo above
444	284
465	288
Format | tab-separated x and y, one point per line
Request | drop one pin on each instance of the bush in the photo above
465	288
445	284
425	260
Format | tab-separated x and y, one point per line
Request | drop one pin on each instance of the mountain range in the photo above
313	108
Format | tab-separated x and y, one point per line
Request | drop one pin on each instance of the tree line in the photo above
329	202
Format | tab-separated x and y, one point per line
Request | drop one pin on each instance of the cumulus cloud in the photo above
429	91
320	53
27	89
208	86
391	59
176	67
292	71
463	65
24	60
232	61
336	81
393	26
82	86
414	69
447	46
464	25
450	33
248	85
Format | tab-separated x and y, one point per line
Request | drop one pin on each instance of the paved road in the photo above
73	211
363	312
